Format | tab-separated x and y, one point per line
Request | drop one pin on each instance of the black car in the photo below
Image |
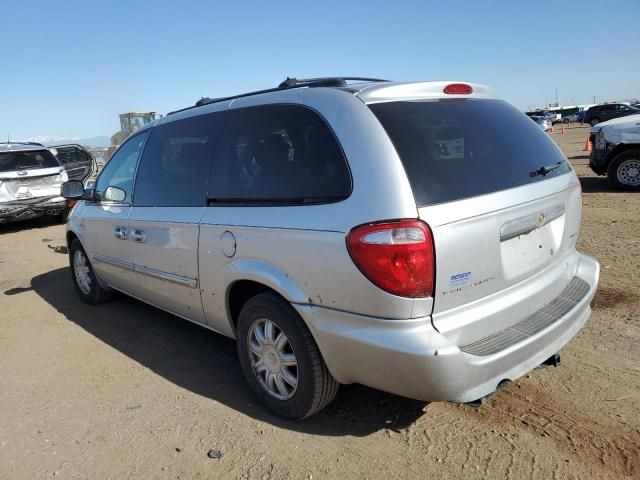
76	160
602	113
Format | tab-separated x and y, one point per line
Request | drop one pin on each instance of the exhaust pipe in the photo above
552	361
482	400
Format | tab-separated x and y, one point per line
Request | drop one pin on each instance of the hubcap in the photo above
81	270
629	172
272	358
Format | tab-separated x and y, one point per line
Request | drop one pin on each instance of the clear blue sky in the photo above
68	68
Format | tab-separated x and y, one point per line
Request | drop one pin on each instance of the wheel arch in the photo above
74	230
71	236
246	278
621	148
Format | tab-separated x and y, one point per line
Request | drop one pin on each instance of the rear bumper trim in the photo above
16	210
412	359
538	321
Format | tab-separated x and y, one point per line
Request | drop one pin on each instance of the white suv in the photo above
30	181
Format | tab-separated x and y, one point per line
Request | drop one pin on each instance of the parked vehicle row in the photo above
347	231
545	114
593	115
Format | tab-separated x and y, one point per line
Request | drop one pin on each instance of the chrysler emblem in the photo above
22	173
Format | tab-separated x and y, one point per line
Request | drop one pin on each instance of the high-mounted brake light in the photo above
396	256
458	89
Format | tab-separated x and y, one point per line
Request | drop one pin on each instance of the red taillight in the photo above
396	256
458	89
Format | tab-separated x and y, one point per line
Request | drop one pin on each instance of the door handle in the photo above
121	232
139	236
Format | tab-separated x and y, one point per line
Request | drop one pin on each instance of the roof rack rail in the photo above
285	85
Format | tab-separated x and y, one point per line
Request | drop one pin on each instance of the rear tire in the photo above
84	279
272	338
623	171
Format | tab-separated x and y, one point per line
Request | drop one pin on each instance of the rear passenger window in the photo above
175	163
278	154
67	155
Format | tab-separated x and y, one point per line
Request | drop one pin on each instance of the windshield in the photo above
13	161
459	148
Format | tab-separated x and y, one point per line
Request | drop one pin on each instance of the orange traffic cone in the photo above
587	146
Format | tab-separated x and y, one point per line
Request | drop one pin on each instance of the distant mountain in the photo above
96	142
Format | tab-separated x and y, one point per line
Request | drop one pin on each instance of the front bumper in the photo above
34	207
411	358
598	161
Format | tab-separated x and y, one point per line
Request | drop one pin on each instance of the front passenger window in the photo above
119	172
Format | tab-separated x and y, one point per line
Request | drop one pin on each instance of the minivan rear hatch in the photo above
501	203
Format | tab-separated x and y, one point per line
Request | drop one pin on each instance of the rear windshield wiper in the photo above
546	169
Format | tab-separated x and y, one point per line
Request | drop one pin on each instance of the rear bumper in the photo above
412	359
16	211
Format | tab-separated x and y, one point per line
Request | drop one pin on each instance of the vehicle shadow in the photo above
206	363
596	185
31	224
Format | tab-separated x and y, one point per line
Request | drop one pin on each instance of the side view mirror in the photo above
73	189
114	194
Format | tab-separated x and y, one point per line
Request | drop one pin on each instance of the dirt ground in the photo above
124	390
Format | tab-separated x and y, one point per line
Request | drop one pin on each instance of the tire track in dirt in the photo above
610	297
577	435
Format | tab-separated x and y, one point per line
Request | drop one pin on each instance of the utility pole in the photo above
556	96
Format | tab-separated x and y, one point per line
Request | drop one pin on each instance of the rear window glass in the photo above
460	148
12	161
278	154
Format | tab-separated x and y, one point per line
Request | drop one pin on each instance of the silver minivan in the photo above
418	238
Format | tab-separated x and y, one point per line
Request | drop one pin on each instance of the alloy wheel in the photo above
272	358
82	271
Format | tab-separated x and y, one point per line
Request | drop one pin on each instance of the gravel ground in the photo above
124	390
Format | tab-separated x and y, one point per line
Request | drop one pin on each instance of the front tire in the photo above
281	360
623	171
84	279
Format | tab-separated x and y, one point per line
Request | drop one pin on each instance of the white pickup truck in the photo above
616	151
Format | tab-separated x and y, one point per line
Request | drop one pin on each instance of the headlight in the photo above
601	142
